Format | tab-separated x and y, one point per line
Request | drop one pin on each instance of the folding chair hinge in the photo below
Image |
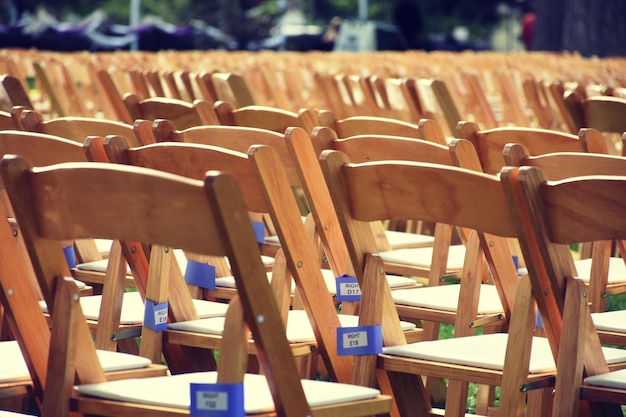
485	320
126	334
546	382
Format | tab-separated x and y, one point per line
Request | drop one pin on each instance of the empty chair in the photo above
210	219
264	117
549	217
183	114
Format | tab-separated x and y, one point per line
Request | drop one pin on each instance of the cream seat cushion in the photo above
488	352
396	239
610	321
173	391
615	379
446	297
399	240
298	325
422	257
395	281
13	367
617	270
101	265
133	308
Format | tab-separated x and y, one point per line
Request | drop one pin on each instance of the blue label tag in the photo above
362	340
217	400
259	231
200	274
347	289
70	256
538	321
155	316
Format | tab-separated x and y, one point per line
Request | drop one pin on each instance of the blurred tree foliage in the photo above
253	19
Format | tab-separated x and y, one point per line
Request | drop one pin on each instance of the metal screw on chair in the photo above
260	319
10	292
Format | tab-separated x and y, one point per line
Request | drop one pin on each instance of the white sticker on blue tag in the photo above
217	400
347	289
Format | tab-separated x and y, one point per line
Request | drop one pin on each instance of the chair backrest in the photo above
210	219
17	94
603	113
269	191
374	191
265	117
6	121
359	148
549	216
236	138
79	128
490	143
183	114
368	125
232	88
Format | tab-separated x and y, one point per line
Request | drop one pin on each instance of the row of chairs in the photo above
492	90
499	225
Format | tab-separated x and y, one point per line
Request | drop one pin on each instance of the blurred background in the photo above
590	28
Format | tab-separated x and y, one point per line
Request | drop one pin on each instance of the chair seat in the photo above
422	257
610	321
395	281
615	379
101	265
97	266
446	297
488	352
133	308
173	391
399	240
617	270
12	414
103	245
13	367
298	326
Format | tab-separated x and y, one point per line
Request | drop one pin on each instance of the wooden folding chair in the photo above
367	125
193	160
374	190
24	366
490	146
602	113
208	219
368	147
265	117
47	150
183	114
232	88
603	273
549	217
